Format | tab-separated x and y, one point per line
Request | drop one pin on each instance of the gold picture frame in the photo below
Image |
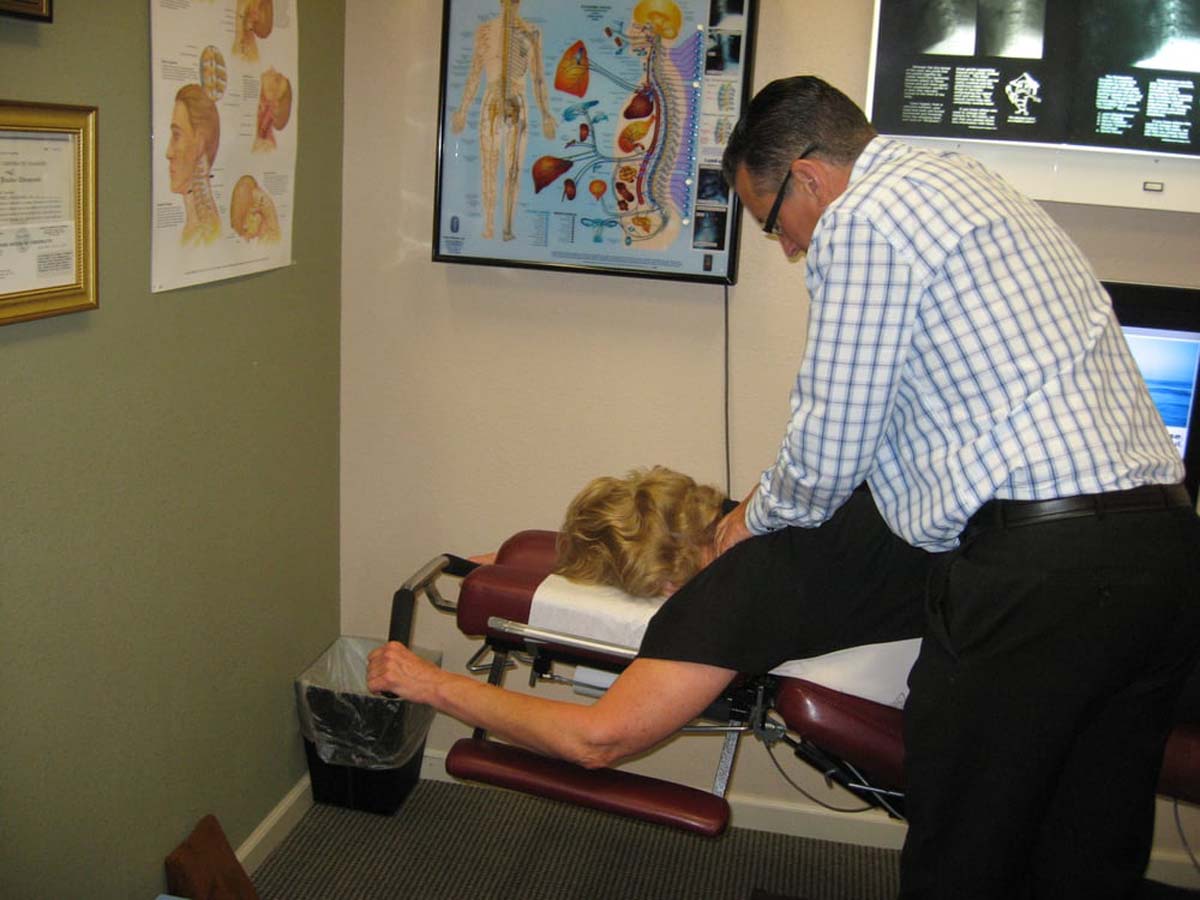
47	210
41	10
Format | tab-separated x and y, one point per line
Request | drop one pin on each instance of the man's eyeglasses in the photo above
771	225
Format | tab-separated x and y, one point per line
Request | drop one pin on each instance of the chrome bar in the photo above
422	581
476	666
725	765
716	729
545	636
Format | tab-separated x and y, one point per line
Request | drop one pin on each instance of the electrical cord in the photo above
816	800
728	452
1183	837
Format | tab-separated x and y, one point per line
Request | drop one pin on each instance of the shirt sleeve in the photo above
864	299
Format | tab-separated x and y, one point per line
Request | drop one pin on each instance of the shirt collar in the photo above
880	148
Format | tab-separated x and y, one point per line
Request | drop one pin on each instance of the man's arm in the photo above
862	314
651	700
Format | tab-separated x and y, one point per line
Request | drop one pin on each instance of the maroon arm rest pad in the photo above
609	790
867	734
505	589
532	549
496	590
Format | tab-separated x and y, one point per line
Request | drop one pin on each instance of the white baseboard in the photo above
865	829
871	829
1174	868
276	826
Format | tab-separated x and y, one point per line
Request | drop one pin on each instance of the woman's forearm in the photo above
550	727
651	700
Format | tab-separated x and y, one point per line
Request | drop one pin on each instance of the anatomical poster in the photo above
588	135
225	100
1096	73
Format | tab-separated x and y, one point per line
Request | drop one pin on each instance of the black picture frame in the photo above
622	181
38	10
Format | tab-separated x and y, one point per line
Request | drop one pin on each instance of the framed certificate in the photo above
588	137
42	10
47	210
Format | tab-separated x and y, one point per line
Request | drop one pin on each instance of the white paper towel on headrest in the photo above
876	672
592	611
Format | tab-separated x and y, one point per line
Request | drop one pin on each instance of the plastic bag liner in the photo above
350	726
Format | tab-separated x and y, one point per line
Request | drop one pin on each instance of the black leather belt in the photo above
1016	513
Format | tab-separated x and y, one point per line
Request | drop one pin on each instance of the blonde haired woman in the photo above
790	594
647	533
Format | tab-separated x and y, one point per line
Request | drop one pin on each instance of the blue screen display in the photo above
1170	365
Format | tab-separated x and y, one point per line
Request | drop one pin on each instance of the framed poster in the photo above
225	103
588	136
47	210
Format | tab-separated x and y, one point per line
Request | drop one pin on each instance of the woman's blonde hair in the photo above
640	532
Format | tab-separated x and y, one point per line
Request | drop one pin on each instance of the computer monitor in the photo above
1162	328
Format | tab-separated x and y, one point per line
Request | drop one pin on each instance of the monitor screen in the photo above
1162	328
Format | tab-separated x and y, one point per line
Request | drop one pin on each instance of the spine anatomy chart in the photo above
632	105
631	165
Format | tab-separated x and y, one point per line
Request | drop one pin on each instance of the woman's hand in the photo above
395	669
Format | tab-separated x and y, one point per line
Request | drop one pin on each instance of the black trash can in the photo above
364	751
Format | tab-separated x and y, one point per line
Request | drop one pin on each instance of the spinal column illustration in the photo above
506	49
648	165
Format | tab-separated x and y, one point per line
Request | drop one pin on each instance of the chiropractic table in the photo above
839	714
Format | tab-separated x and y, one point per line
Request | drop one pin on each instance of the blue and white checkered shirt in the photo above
959	348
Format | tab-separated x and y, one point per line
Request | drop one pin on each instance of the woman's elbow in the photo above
600	745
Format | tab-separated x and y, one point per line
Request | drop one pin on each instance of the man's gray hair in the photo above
788	116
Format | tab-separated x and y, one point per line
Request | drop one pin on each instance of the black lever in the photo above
400	628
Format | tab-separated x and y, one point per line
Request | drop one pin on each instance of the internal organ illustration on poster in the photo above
609	168
637	180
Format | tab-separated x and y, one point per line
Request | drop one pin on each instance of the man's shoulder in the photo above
892	175
887	161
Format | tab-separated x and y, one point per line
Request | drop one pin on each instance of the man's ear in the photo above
807	175
824	181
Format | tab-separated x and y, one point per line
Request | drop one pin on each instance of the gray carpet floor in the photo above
452	842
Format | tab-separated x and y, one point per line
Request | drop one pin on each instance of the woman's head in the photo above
195	134
646	533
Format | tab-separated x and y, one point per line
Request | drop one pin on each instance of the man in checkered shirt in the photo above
964	361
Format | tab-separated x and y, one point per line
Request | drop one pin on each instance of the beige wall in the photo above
168	499
476	401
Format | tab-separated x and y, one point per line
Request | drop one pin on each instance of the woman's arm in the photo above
651	700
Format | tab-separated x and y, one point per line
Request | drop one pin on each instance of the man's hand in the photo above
732	529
